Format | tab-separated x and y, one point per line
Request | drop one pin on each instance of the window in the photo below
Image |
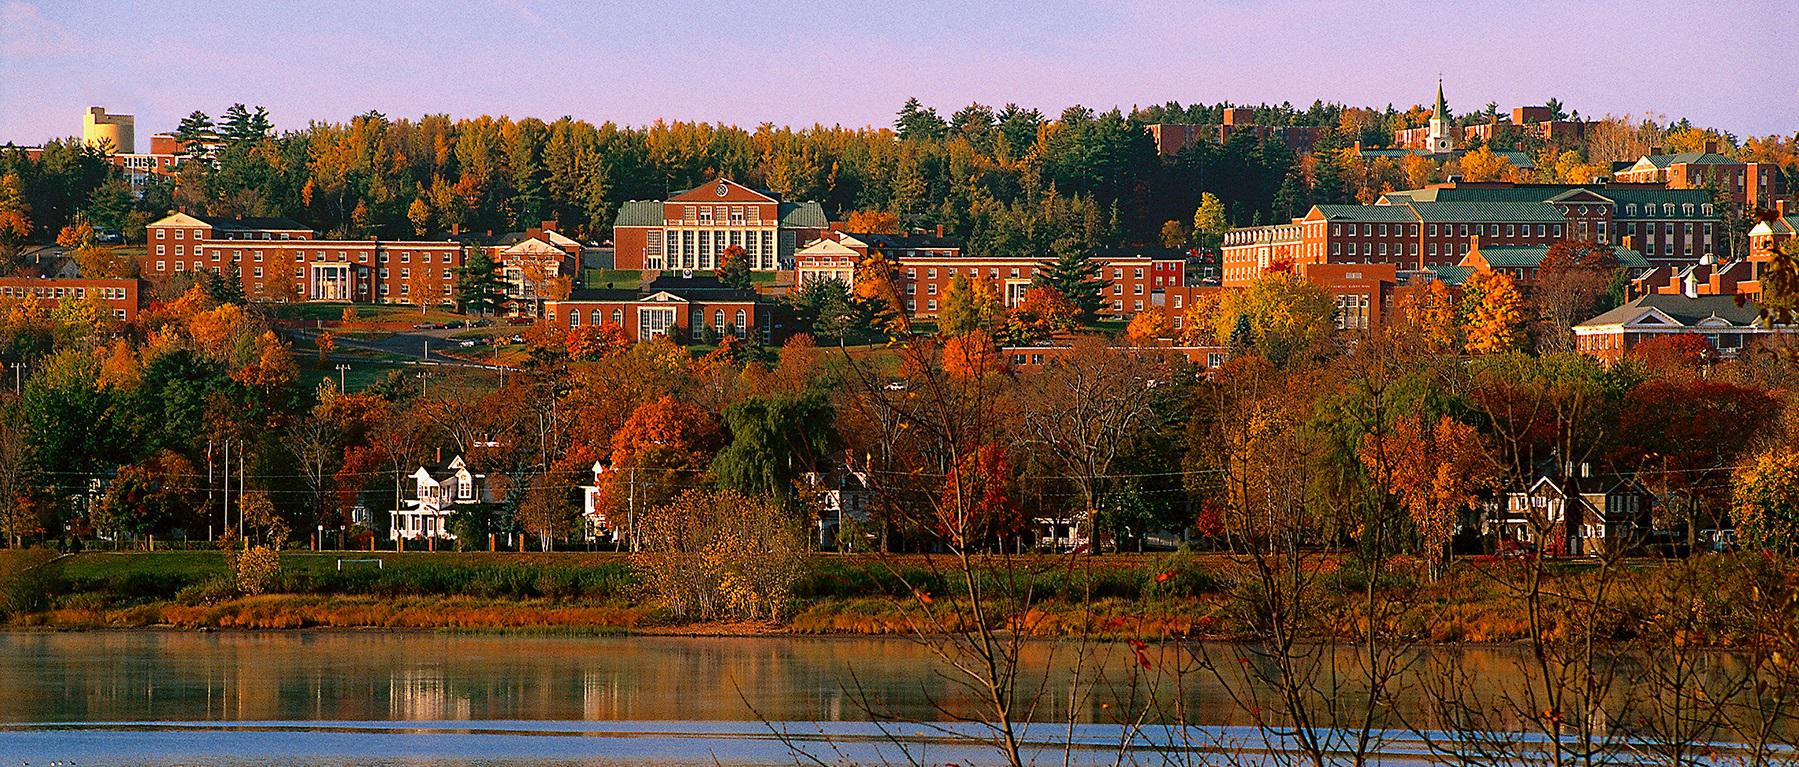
618	317
179	232
741	326
159	234
159	247
179	248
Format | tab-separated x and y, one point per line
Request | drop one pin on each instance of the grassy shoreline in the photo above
1169	596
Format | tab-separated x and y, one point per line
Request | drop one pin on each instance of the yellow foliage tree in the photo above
1492	313
1484	165
1148	327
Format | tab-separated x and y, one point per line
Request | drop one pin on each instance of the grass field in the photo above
620	279
331	313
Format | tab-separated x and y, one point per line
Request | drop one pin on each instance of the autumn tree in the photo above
1765	501
969	304
1075	275
971	355
734	267
1148	327
1282	316
1682	434
877	287
1210	222
1492	313
1040	314
1439	471
1424	318
872	222
1174	234
664	446
1571	285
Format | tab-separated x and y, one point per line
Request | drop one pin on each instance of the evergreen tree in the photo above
478	287
195	131
1075	275
917	121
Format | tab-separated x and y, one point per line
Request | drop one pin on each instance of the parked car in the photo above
466	343
423	326
519	320
517	338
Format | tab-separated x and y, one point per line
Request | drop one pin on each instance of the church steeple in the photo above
1439	140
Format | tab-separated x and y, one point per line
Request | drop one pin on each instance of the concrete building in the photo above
102	130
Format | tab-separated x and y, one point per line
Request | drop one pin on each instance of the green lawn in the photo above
313	312
621	279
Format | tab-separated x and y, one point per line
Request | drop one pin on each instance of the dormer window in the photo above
465	488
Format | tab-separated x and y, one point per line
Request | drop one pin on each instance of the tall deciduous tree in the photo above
1492	313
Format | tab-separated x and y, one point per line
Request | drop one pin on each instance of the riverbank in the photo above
1198	596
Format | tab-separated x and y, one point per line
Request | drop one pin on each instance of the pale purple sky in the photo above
852	62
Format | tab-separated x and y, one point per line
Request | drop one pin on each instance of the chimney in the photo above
1711	146
1474	243
940	227
455	230
440	455
1780	208
548	226
1627	242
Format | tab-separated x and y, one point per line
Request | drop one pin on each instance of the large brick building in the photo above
1754	185
683	308
277	259
1437	226
119	296
1726	323
689	230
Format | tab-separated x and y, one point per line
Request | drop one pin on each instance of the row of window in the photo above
109	294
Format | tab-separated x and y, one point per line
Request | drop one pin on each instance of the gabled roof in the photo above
904	241
722	190
1451	275
1680	311
700	287
1525	257
270	224
1688	158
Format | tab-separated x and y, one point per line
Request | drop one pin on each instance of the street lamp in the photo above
341	367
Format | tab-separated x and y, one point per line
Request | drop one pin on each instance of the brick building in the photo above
1172	138
1131	277
1755	185
278	259
119	296
1727	324
835	255
1533	121
682	308
689	230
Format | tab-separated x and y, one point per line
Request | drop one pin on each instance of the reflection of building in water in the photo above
423	694
602	697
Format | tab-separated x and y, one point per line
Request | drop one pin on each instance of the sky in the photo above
853	62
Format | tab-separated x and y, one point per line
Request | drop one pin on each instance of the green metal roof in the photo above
1509	257
1452	274
639	213
1374	213
803	215
1489	212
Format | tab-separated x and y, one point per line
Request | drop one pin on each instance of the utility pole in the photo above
341	367
631	510
225	503
18	377
241	462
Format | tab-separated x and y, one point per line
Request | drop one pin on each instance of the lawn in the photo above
369	313
622	279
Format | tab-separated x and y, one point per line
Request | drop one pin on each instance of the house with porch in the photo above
436	491
1571	510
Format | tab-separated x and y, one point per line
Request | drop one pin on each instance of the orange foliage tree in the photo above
1148	327
1438	471
978	503
1492	313
872	222
971	355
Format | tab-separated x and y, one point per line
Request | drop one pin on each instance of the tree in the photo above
872	222
1210	222
710	553
969	304
1682	433
971	356
1673	355
1174	234
1285	318
419	213
1572	281
1148	327
734	268
877	290
1075	275
148	497
918	122
478	286
195	133
1492	313
314	443
1425	318
1041	313
1482	164
1439	470
1765	501
774	439
15	215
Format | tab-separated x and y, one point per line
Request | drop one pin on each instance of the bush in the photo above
26	581
255	569
207	591
718	553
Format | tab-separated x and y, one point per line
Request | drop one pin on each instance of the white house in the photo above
436	492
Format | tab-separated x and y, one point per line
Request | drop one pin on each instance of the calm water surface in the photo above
380	698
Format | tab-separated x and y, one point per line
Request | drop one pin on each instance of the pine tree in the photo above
917	121
196	131
1075	275
478	286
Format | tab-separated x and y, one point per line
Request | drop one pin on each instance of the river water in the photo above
391	698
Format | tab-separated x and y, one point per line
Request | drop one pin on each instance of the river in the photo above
392	698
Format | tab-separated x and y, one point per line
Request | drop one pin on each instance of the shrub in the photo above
207	591
26	581
255	568
717	553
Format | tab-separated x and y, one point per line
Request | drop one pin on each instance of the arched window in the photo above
593	318
718	321
739	328
618	317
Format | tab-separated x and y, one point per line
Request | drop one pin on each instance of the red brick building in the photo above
685	309
1754	185
1172	138
688	231
119	296
1132	278
278	259
1726	324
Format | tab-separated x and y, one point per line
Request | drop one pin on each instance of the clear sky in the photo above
1718	62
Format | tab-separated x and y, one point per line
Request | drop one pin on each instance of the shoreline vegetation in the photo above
1170	596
